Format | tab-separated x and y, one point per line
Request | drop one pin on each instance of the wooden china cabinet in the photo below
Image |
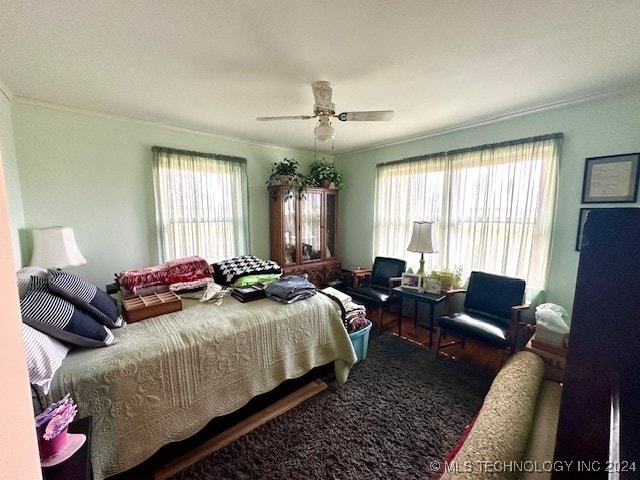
303	230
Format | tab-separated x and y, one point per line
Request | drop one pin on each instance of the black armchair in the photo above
385	274
492	312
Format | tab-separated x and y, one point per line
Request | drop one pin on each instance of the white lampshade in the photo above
324	131
55	247
423	238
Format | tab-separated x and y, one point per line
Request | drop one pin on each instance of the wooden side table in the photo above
78	466
432	299
359	275
554	362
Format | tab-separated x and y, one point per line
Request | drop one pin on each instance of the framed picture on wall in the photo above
582	218
411	281
611	179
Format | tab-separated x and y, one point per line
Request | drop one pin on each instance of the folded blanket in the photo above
228	271
290	288
187	269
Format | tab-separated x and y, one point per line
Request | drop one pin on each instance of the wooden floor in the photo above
484	356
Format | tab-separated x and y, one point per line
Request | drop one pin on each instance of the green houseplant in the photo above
448	279
322	173
286	173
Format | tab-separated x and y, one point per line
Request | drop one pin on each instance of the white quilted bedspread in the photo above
168	376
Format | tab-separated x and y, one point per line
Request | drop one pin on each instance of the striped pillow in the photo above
86	296
44	356
24	278
53	315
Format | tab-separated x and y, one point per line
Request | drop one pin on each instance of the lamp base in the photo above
421	269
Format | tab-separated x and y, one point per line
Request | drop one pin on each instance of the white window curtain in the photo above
494	206
201	204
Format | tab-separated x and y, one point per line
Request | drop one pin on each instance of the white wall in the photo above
18	446
94	173
604	126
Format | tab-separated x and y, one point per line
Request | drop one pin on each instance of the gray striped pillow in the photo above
59	318
86	296
44	356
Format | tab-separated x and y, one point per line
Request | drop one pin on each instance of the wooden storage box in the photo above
554	362
141	307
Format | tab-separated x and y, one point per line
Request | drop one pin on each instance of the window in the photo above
494	206
201	204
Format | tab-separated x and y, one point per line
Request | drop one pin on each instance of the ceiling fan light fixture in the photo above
324	131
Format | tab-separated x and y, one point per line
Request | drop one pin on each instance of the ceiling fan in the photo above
324	110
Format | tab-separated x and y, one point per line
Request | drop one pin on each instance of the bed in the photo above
166	377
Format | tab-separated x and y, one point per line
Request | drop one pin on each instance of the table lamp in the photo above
55	247
423	240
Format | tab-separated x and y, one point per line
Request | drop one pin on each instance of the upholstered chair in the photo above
378	290
492	312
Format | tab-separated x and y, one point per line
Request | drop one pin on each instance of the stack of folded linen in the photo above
354	313
290	288
355	317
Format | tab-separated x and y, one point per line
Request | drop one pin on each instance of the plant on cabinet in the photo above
322	173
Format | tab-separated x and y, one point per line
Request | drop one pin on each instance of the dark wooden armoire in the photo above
599	421
303	228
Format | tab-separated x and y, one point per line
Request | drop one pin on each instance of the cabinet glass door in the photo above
311	226
332	211
289	224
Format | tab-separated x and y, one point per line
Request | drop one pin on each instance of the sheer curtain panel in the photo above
494	206
201	204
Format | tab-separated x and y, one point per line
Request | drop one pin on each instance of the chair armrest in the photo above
394	282
516	316
447	301
453	291
516	312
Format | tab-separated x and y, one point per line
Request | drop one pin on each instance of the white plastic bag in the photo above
552	317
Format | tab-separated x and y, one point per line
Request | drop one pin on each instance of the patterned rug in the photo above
399	413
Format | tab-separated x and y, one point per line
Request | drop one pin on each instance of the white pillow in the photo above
44	356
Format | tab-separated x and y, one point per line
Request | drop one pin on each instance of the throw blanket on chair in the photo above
187	269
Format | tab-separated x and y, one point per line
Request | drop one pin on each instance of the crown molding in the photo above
498	118
121	118
429	134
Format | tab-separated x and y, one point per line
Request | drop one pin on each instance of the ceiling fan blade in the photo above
289	117
322	92
366	116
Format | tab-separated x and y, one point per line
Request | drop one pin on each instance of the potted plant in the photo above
286	173
322	173
448	279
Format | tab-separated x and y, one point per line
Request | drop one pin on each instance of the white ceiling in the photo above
214	66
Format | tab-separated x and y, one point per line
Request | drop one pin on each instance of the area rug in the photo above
400	413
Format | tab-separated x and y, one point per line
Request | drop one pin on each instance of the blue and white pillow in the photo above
44	356
55	316
23	276
86	296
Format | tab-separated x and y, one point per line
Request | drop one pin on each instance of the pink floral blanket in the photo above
187	269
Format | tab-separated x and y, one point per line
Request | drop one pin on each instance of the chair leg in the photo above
504	357
380	311
439	339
